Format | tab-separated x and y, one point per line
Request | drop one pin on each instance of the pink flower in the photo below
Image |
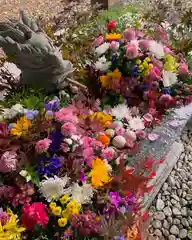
129	34
8	161
144	45
114	45
34	214
88	155
183	69
131	135
158	64
165	99
168	51
141	134
148	118
155	73
98	41
129	142
131	51
119	131
62	117
86	142
107	154
68	129
3	129
42	145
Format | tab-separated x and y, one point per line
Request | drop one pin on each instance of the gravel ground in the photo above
45	9
173	205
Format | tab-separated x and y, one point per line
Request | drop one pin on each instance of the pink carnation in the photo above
107	154
131	135
68	129
61	117
8	161
144	45
183	69
158	64
34	214
114	45
119	131
155	73
86	142
129	34
42	145
98	41
131	51
141	134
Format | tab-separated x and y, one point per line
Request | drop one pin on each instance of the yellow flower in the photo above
150	66
112	36
145	64
102	118
57	211
62	222
64	199
75	211
105	81
132	233
11	231
21	127
138	62
65	214
148	59
52	205
116	74
100	173
170	63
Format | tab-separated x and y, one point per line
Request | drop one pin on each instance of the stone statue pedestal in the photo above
105	4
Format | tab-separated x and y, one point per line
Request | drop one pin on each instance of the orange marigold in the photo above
104	139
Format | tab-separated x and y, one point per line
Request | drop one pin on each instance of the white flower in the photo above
13	69
169	78
157	49
102	64
8	114
82	194
53	188
136	123
120	111
102	49
17	108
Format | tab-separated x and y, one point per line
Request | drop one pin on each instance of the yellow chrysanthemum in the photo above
170	63
102	118
116	74
100	173
113	37
11	231
21	127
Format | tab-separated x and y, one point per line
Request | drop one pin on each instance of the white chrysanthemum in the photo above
81	194
53	187
8	114
120	111
102	64
136	123
157	49
169	78
16	109
102	49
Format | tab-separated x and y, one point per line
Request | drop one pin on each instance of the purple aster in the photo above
49	166
53	105
119	238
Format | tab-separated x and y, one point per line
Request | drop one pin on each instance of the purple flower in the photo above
31	114
119	238
114	198
49	166
53	105
56	138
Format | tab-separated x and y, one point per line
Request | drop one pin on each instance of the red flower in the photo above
34	214
152	175
112	24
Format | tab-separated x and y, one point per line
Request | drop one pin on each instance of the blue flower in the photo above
56	138
53	105
31	114
119	238
167	91
49	166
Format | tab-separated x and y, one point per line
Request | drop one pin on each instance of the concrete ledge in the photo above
163	172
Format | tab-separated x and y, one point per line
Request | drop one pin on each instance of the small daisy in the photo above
136	123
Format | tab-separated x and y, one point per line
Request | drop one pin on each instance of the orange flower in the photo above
105	81
132	233
113	37
104	139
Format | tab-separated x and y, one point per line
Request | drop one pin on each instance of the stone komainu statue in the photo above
41	63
